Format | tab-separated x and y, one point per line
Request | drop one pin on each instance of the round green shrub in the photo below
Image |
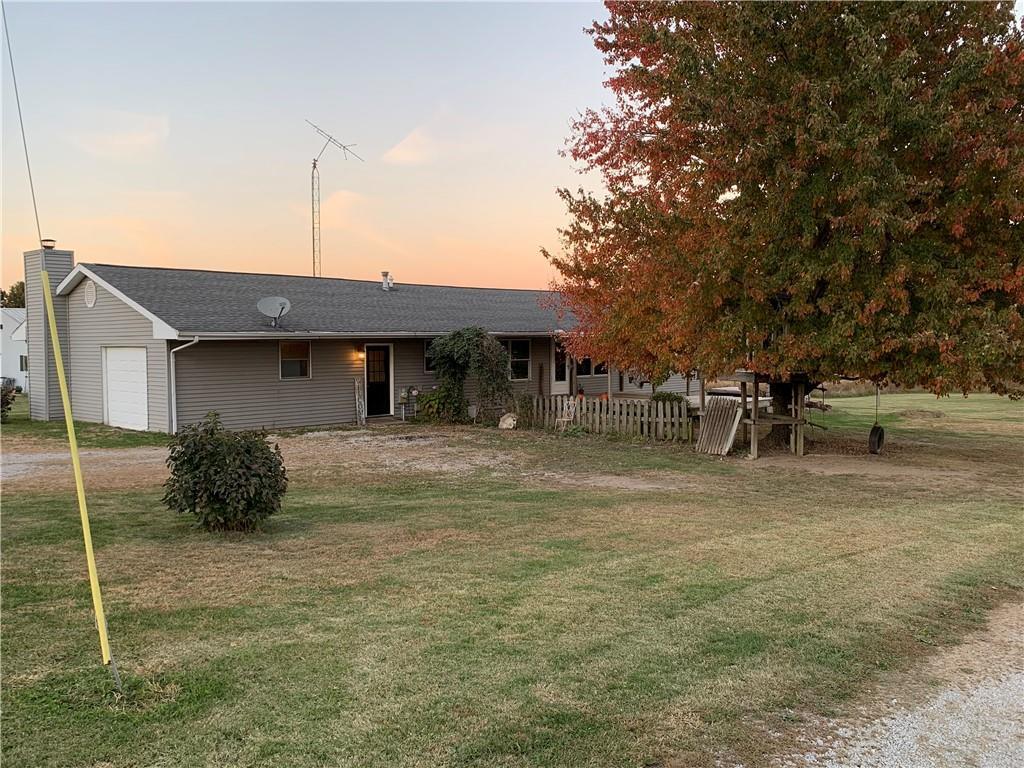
7	397
229	481
667	397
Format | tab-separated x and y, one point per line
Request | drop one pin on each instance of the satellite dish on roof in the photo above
274	307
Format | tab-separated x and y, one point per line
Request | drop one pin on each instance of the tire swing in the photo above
877	437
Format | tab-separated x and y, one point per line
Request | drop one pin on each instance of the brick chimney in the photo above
43	387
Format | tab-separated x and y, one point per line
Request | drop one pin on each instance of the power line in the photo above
21	122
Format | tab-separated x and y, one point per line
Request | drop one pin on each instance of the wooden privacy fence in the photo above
654	420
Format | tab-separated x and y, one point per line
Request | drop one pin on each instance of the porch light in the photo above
361	351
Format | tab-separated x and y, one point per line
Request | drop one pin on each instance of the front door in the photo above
559	369
378	380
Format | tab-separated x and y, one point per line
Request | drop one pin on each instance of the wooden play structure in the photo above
754	414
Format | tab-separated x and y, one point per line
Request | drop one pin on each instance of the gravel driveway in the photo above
963	708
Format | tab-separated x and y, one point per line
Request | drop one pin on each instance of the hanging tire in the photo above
876	439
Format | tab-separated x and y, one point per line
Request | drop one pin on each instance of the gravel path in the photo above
975	720
982	727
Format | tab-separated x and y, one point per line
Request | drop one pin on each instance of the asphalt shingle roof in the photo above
199	301
17	314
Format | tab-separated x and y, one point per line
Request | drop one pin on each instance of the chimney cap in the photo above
48	243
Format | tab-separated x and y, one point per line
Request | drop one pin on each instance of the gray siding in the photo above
539	382
594	386
540	369
680	384
112	323
409	370
44	394
241	381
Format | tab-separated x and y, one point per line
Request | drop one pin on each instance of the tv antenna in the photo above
315	189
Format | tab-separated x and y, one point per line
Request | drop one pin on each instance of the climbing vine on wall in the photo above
469	354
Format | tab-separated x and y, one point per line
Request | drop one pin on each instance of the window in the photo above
585	368
22	362
561	363
294	359
519	358
428	361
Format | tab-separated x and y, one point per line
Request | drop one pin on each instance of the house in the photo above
153	348
13	347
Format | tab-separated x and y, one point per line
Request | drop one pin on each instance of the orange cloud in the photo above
418	148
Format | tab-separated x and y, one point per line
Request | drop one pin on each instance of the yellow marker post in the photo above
94	579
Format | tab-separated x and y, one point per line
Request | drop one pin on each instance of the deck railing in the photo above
629	417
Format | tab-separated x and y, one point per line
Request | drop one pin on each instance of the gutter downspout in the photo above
173	388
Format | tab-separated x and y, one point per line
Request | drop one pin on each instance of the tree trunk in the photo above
782	401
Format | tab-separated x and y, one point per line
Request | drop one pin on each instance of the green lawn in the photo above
403	617
89	435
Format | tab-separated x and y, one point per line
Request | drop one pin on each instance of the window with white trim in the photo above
518	358
22	362
294	359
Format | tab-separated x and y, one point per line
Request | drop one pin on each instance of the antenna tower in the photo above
315	189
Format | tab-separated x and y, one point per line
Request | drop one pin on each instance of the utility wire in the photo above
21	122
101	619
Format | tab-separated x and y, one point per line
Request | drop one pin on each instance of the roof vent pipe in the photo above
387	282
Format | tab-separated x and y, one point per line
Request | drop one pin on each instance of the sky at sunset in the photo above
174	135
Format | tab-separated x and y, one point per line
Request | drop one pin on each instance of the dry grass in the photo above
465	597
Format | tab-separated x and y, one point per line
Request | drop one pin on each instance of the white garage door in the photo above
125	397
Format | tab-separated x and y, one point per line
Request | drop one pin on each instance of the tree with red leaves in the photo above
833	189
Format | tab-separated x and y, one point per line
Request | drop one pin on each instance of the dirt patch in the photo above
920	413
381	450
904	461
330	457
317	457
633	482
896	472
963	706
102	468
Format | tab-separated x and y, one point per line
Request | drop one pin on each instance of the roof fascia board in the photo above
161	330
257	335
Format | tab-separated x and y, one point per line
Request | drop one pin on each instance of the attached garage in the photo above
125	393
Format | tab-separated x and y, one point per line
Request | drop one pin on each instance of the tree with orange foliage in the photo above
827	188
